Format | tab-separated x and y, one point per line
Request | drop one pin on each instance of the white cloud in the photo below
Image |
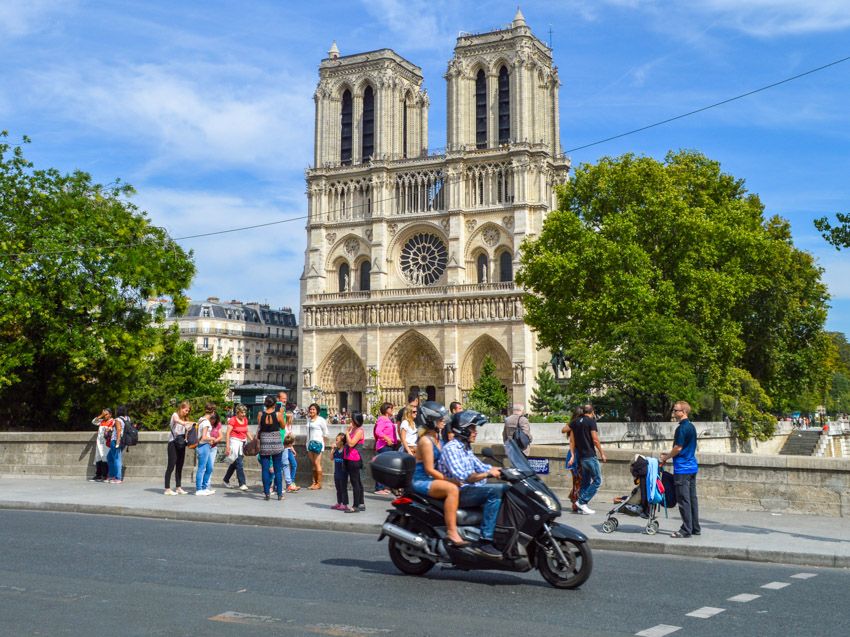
262	264
212	116
19	18
419	24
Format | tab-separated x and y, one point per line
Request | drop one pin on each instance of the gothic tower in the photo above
408	274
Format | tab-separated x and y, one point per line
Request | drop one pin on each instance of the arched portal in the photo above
470	371
342	379
412	362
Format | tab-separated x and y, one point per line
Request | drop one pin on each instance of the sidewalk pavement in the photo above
740	535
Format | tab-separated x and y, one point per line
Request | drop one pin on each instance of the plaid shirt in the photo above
457	461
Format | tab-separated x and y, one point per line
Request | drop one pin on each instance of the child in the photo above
340	476
291	466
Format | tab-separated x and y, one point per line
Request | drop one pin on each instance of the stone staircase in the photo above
801	442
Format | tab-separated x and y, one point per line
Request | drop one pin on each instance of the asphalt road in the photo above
101	575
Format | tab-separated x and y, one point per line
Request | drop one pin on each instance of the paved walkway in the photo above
760	537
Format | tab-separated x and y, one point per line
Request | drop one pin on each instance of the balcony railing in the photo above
445	290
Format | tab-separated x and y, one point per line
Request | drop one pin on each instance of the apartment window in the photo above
206	343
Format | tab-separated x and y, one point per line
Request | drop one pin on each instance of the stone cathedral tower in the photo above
408	271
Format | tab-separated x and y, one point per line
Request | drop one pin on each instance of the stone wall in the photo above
744	482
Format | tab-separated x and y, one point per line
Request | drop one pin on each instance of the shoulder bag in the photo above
252	447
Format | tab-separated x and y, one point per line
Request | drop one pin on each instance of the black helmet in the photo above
429	413
463	420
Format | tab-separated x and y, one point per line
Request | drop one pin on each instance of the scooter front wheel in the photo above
405	556
570	575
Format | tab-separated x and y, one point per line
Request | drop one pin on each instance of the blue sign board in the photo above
540	465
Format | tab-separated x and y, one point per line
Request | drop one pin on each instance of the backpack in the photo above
192	437
520	437
130	434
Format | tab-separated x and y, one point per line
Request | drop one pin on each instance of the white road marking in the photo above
804	575
658	631
743	597
705	612
775	586
244	618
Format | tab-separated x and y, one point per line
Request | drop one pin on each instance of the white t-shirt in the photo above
409	433
203	424
317	430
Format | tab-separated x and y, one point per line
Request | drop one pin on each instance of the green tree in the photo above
175	372
547	397
78	262
488	395
839	234
664	281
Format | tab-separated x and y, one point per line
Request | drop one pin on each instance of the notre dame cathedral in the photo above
410	259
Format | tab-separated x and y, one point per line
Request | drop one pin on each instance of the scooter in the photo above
526	532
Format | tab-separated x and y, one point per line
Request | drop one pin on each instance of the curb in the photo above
371	528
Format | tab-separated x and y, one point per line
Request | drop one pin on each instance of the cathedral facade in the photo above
410	259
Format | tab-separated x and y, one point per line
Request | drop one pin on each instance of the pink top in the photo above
352	452
240	428
214	434
384	427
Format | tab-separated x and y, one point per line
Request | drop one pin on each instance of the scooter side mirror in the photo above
487	452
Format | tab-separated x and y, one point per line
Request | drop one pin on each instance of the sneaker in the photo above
486	548
94	479
226	484
202	492
243	487
180	491
169	492
586	510
292	487
209	491
117	481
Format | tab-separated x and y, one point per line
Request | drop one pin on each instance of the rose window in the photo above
423	259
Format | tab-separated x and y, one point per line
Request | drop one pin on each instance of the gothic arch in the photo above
478	241
361	85
474	358
344	249
412	361
342	372
500	62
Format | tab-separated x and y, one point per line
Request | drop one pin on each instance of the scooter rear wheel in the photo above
404	556
570	575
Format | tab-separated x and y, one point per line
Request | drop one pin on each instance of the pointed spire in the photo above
519	19
333	52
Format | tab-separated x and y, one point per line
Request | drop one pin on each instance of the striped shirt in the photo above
459	462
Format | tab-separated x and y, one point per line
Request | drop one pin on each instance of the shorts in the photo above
422	486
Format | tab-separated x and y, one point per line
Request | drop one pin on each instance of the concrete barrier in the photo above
746	482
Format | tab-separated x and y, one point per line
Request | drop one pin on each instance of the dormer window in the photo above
205	312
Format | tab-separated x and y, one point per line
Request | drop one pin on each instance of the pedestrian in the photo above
385	439
113	456
408	431
317	436
340	475
206	458
575	469
178	426
412	401
103	422
271	446
237	434
354	461
685	470
584	442
291	465
518	420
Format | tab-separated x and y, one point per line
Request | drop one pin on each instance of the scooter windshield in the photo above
518	459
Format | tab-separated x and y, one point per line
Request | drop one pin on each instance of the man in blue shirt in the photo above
458	463
685	470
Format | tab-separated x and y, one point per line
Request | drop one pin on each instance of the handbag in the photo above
180	441
252	448
314	446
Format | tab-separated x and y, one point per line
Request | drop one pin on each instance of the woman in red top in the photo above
237	435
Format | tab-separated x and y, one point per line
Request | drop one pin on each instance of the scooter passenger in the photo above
427	480
457	461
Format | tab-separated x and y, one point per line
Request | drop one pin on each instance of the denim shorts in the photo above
422	486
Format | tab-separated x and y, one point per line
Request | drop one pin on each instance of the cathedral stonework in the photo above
410	259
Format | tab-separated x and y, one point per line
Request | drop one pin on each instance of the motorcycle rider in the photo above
457	461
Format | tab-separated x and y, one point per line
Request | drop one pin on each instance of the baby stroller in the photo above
646	498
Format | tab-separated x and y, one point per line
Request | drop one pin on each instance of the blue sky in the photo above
206	107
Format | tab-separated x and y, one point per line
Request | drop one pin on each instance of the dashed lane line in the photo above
775	586
658	631
705	612
743	597
804	575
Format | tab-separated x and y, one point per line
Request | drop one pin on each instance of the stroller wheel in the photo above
652	527
609	525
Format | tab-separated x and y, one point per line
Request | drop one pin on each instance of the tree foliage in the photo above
663	281
78	262
839	234
488	395
547	397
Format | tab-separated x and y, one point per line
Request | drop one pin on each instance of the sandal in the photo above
679	534
351	511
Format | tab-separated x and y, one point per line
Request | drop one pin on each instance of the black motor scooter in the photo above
526	532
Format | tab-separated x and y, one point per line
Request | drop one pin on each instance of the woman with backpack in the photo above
271	446
179	427
113	457
206	453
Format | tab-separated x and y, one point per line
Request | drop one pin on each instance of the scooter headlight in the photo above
549	501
